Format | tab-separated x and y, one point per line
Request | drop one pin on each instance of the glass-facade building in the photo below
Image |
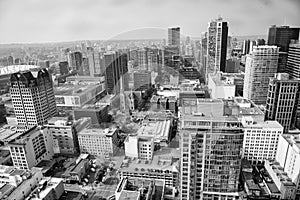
211	150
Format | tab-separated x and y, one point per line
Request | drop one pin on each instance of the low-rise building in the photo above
97	141
97	113
288	156
221	88
144	189
163	166
260	139
283	182
139	147
163	103
76	169
64	133
31	147
17	184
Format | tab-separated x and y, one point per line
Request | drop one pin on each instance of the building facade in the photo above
282	100
293	62
174	36
261	64
260	140
210	157
32	97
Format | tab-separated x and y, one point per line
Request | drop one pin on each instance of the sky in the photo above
31	21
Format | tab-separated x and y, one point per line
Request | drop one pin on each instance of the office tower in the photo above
91	61
281	36
142	59
246	47
282	100
31	147
260	139
98	64
115	65
261	64
75	60
216	46
288	156
141	80
174	36
2	114
63	67
293	61
32	97
252	44
210	157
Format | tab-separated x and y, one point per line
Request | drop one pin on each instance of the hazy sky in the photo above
68	20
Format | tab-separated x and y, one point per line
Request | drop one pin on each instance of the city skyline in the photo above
52	21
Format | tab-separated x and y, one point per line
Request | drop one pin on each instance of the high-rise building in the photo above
75	60
115	65
216	46
174	36
246	47
282	100
293	61
31	147
210	157
281	36
32	97
63	67
261	64
91	61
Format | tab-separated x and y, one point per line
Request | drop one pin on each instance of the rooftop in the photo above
45	186
159	130
16	68
24	137
75	90
96	131
166	159
281	175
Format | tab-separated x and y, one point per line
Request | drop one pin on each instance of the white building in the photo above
31	147
261	64
220	89
288	156
29	180
260	139
97	141
139	147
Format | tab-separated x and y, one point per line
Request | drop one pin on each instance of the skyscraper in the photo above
75	60
216	46
91	61
281	36
261	64
32	97
246	47
210	157
115	66
293	61
282	100
174	36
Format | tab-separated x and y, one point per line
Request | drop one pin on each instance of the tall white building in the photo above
288	156
32	97
31	147
261	64
139	147
260	139
216	46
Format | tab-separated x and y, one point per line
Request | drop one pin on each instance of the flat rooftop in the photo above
75	90
158	130
96	131
23	137
164	159
264	125
126	195
6	131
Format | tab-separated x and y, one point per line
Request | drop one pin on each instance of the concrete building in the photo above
164	166
49	188
282	100
216	46
64	133
220	88
130	189
203	107
97	113
293	63
174	36
163	103
211	149
32	97
77	95
285	185
261	64
17	184
31	147
139	147
97	141
76	169
141	80
288	156
260	140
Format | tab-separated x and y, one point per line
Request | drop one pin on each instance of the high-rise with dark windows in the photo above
174	36
281	36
